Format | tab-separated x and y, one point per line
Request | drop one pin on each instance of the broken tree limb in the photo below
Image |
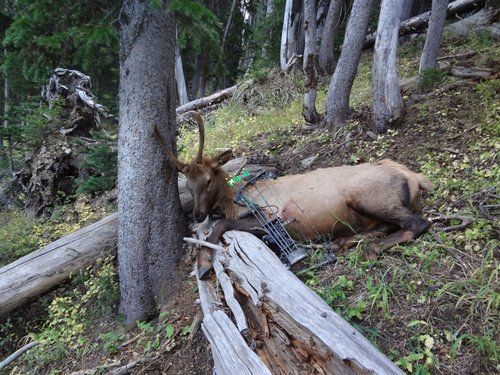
420	22
11	358
293	329
44	268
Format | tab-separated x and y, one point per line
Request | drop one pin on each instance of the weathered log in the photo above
44	268
207	100
293	330
39	271
420	22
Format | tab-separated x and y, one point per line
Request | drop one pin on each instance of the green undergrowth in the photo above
21	234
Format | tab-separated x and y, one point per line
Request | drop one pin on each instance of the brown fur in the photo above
368	199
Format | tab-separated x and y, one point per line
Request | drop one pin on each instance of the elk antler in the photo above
180	165
201	128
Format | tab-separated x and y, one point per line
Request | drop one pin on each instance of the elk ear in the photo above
221	158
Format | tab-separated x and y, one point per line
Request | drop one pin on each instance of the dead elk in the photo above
344	202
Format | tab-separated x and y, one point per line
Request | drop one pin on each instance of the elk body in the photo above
344	202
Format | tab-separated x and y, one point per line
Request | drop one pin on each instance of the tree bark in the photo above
298	333
337	100
387	101
310	64
150	224
287	23
428	60
332	22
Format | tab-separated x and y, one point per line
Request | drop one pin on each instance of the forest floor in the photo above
432	306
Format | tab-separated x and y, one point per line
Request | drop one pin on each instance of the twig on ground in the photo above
125	369
11	358
465	221
204	243
458	56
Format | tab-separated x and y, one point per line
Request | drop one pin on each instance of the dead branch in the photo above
457	56
478	72
465	221
125	369
11	358
421	97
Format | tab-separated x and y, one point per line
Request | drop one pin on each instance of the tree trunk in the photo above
332	22
337	100
298	333
195	81
179	75
287	23
428	60
228	24
310	64
387	101
150	221
8	136
205	64
406	10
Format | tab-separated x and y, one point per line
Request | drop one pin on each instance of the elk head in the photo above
205	179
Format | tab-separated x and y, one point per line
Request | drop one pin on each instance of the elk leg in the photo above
389	204
379	230
205	255
413	226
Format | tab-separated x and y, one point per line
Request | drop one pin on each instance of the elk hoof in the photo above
204	271
371	253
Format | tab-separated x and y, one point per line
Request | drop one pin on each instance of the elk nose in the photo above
199	217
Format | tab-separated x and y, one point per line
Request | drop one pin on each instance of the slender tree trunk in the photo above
321	14
310	64
285	31
195	81
332	22
150	221
387	101
406	10
424	6
337	100
298	34
8	135
205	64
428	60
179	75
228	24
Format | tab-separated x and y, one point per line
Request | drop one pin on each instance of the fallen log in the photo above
291	328
210	100
41	270
421	21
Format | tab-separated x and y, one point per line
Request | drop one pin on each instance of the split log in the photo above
420	22
44	268
292	329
